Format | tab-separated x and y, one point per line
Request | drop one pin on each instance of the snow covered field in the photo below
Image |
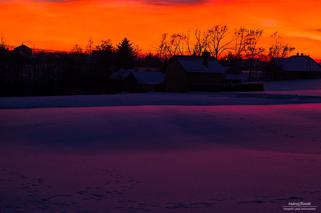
295	87
224	152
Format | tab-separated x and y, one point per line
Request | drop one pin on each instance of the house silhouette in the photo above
186	73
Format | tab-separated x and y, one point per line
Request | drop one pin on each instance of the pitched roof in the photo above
149	78
196	64
142	77
298	63
23	50
121	74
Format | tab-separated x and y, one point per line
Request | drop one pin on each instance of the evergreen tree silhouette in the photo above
126	54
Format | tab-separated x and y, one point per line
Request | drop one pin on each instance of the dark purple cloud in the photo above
159	2
171	2
155	2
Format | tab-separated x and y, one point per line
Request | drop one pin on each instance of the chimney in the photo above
206	56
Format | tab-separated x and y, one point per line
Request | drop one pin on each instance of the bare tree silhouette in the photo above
217	43
252	48
76	49
212	40
162	48
3	42
240	41
278	49
105	46
3	48
201	42
89	47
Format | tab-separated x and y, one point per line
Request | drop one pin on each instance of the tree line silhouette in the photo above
220	41
67	73
232	47
87	70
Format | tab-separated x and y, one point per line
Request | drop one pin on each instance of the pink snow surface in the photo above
229	158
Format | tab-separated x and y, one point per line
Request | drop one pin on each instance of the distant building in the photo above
139	80
148	81
121	74
187	73
23	51
22	62
297	67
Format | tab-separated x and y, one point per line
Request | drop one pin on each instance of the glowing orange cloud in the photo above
58	24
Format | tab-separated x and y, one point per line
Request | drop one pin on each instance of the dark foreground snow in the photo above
160	158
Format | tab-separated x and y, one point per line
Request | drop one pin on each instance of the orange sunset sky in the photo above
59	24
